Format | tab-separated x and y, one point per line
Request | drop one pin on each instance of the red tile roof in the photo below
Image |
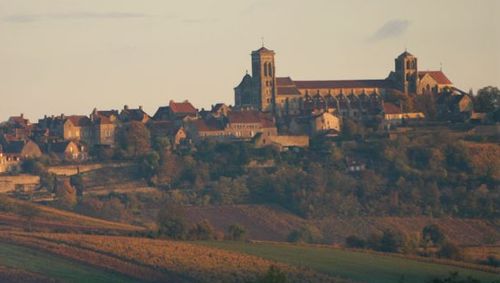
391	108
284	81
182	107
438	76
241	117
343	84
209	125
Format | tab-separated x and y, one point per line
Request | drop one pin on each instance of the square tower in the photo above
264	76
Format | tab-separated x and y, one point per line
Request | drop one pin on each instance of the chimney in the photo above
62	115
140	107
22	115
125	107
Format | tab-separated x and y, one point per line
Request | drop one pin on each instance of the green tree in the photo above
66	195
236	232
392	241
134	139
171	221
433	234
487	99
451	251
306	234
202	231
229	191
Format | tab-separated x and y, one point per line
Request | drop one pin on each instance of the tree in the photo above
392	241
229	191
66	195
434	234
202	231
171	221
236	232
352	129
77	182
306	234
451	251
355	242
149	166
134	139
487	99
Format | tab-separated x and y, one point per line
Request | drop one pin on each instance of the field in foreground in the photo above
21	264
153	260
357	266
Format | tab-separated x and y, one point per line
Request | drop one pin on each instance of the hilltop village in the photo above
278	112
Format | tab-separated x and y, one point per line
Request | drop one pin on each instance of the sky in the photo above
71	56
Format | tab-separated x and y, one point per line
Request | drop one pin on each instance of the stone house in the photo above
394	116
104	124
128	115
66	150
176	111
281	143
325	122
238	125
57	128
19	127
19	150
454	106
167	129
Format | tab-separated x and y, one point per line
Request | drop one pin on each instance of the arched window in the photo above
408	65
270	69
265	69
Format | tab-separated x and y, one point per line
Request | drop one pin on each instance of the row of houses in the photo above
71	136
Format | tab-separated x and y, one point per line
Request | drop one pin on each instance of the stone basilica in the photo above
286	97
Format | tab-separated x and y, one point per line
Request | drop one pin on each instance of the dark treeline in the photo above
428	175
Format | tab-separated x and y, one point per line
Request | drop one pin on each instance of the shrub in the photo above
202	231
355	242
392	241
273	275
451	251
433	233
455	278
171	222
306	234
236	232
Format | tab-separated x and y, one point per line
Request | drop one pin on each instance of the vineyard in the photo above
270	223
51	219
157	260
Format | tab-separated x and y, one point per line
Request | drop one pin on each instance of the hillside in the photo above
51	219
272	223
158	260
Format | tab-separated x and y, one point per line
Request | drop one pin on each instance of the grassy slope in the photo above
356	266
270	223
54	267
50	218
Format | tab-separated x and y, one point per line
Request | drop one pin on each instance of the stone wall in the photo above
9	183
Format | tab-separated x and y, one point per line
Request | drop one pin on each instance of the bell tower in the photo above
406	72
264	76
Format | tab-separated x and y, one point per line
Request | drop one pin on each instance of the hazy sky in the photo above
69	56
